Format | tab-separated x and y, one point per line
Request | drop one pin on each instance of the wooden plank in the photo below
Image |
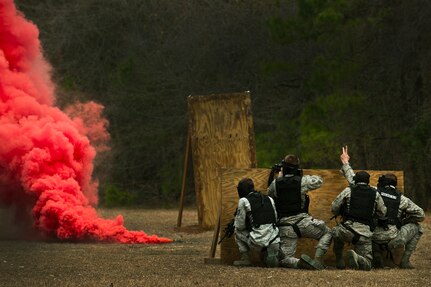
320	205
183	185
222	135
215	235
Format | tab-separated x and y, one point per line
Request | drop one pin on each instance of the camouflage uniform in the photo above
258	237
407	210
308	226
345	232
262	237
391	237
408	235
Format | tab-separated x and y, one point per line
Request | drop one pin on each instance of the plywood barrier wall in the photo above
320	203
221	130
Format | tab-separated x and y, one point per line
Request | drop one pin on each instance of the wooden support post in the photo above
212	259
216	234
183	187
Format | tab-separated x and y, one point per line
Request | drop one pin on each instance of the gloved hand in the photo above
410	219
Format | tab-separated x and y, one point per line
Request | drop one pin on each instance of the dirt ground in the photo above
43	263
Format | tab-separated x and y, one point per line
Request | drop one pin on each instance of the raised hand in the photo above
345	155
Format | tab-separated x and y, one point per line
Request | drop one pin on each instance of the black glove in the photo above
383	222
410	219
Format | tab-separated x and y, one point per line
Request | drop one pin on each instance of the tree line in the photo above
322	74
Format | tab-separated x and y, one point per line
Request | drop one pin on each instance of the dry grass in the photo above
36	263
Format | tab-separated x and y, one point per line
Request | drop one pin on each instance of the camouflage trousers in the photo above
408	236
244	245
363	247
309	228
243	241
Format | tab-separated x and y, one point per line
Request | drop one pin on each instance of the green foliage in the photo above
272	145
310	8
270	148
320	123
114	196
122	73
322	73
330	73
313	19
272	67
418	139
328	18
171	172
326	27
68	83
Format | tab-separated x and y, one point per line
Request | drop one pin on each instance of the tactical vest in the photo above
392	198
288	201
361	206
262	211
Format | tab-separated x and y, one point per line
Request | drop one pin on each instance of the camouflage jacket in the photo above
262	235
408	211
344	198
308	183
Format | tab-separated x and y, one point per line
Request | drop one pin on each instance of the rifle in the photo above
342	212
274	170
277	168
229	230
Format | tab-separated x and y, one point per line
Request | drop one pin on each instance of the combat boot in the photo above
405	260
244	261
377	260
271	256
306	262
364	263
358	262
339	262
338	251
377	256
352	258
318	256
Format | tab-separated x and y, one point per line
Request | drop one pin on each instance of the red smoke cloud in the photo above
46	159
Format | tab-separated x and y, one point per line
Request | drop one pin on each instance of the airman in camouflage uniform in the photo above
401	226
289	191
357	205
401	223
255	225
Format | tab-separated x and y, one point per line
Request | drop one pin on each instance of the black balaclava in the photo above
290	164
245	186
385	180
289	168
362	177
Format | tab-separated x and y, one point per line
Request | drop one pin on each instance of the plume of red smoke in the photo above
46	160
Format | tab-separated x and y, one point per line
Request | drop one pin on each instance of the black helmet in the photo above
362	177
290	164
387	179
245	186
